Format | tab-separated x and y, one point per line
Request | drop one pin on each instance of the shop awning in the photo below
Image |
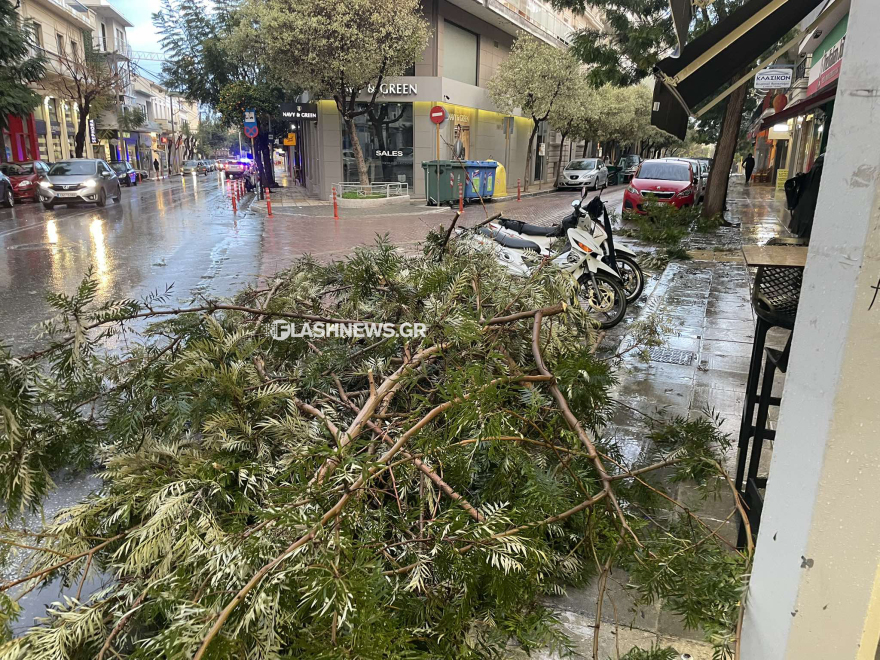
682	15
799	108
716	57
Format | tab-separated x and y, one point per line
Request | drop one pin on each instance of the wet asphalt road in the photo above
178	231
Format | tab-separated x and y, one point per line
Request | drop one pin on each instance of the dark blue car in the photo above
127	175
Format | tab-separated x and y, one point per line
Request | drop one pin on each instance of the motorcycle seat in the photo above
521	227
510	241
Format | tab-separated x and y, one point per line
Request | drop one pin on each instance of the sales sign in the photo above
773	79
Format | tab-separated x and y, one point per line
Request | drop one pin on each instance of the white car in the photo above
589	172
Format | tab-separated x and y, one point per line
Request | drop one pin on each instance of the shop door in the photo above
540	157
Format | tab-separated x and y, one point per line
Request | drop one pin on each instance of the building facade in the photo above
789	137
61	29
469	40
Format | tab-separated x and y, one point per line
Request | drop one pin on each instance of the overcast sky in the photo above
143	35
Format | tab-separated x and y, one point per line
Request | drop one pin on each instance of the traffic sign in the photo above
438	114
251	131
250	117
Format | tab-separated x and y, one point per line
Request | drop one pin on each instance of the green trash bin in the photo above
442	181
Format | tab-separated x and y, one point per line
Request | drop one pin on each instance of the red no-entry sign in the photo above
438	114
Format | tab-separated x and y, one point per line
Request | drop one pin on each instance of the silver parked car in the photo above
88	180
589	172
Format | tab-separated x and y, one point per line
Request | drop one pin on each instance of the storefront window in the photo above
386	138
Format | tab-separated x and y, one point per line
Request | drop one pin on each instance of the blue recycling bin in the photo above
481	179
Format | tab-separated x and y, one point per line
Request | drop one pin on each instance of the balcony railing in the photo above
534	17
103	46
82	14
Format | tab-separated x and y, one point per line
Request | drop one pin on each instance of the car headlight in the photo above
632	191
687	192
45	184
89	183
25	184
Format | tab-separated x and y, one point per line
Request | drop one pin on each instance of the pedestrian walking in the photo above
749	165
156	166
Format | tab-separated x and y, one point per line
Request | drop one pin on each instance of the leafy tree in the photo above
87	78
575	116
18	67
535	78
214	58
640	34
342	50
130	119
343	497
214	135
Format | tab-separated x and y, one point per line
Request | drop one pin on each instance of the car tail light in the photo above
687	192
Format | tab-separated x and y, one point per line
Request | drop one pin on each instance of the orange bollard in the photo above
268	202
518	198
335	206
234	205
460	198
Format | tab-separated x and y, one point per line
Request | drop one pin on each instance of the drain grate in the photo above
671	356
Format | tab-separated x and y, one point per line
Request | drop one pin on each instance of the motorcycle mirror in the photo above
575	203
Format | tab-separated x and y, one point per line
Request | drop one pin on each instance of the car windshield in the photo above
73	167
120	166
664	171
589	164
17	169
190	163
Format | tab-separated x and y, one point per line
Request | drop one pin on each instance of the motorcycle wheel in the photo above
608	304
633	279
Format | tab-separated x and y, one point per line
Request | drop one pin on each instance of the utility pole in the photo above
173	145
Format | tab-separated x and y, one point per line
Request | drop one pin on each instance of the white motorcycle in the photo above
599	286
620	259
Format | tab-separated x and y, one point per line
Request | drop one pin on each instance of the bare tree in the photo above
87	78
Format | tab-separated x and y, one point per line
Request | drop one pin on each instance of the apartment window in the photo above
38	35
74	49
120	39
103	37
59	44
460	49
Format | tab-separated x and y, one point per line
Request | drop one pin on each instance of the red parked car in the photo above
25	178
668	181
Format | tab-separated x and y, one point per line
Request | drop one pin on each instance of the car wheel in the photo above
118	196
102	198
48	205
9	200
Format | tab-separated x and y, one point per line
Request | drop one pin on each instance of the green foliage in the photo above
18	67
535	77
664	224
131	119
435	533
654	653
214	135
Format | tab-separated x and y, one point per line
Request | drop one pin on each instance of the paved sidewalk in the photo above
700	370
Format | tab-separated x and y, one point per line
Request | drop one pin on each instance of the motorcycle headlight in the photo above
45	184
89	183
632	191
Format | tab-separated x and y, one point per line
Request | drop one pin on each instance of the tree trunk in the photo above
716	191
586	146
266	153
534	132
559	161
79	142
358	153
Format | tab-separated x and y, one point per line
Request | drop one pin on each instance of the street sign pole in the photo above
254	154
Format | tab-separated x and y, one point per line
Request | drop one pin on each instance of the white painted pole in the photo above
815	587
